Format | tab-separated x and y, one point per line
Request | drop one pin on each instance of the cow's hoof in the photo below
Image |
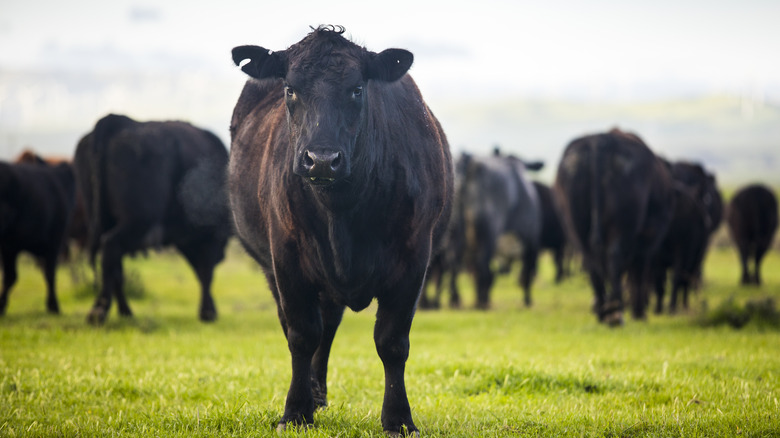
403	433
208	316
614	319
282	427
97	316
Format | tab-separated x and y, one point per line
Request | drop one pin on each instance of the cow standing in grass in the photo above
36	202
617	199
340	183
752	221
497	198
697	214
148	185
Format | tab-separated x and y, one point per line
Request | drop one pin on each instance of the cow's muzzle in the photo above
322	167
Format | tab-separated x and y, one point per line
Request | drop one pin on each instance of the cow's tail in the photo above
596	237
105	128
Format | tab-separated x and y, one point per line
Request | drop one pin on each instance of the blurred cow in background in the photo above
497	198
752	220
36	202
697	214
617	200
148	185
77	230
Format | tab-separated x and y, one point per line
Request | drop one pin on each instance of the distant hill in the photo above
737	138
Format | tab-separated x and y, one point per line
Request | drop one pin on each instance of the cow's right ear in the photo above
263	63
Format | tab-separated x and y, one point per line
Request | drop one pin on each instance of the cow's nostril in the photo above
308	160
336	161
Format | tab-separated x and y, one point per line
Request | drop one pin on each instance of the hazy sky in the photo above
560	48
65	64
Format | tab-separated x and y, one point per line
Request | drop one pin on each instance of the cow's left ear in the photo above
263	63
389	65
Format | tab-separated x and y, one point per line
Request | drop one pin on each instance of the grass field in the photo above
547	371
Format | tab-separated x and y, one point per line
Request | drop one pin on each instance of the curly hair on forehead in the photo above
339	29
325	49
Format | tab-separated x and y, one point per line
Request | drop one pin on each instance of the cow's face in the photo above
325	81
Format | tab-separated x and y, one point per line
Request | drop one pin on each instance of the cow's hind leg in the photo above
558	255
9	276
115	243
616	266
331	318
49	272
761	249
743	258
484	276
203	260
599	293
528	271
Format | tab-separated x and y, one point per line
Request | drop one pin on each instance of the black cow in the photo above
616	197
77	230
497	198
752	222
149	185
703	186
697	214
682	249
35	209
340	183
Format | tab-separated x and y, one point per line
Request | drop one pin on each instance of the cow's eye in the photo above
357	92
289	92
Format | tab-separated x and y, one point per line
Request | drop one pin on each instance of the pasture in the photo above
547	371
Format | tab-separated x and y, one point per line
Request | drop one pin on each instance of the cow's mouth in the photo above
321	181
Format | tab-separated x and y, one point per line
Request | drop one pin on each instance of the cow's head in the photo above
325	80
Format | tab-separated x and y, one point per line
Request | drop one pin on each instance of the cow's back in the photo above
752	213
612	183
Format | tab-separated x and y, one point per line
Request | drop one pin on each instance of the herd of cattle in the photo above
340	184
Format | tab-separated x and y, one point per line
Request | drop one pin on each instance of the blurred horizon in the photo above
697	80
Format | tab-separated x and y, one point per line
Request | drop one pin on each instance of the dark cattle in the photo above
553	234
340	183
704	187
35	209
752	221
77	230
498	199
149	185
697	215
616	197
682	249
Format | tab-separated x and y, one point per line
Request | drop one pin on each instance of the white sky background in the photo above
166	59
559	48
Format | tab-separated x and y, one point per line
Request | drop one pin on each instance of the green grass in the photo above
548	371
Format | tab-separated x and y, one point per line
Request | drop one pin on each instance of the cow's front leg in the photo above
304	331
331	318
391	335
